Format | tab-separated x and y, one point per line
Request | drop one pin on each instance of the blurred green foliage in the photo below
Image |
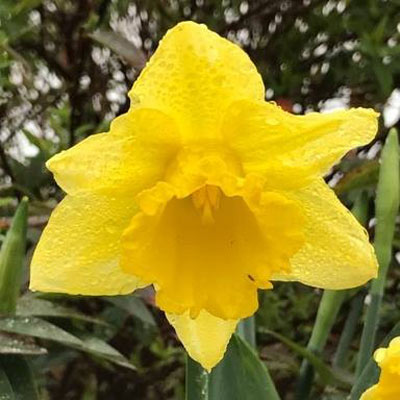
65	68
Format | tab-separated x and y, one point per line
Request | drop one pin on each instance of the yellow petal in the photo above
133	155
193	76
210	251
287	149
336	253
204	338
370	394
78	252
388	360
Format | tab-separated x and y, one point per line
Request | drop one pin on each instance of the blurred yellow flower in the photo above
207	192
388	387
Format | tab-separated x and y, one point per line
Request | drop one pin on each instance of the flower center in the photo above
207	200
210	248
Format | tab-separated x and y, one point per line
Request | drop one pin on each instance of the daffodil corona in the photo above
207	192
388	387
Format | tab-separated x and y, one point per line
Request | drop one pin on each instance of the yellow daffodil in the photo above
388	387
207	192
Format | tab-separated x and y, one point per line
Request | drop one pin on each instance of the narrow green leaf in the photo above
35	327
387	205
328	375
387	200
241	375
16	344
30	306
39	328
11	260
134	306
20	376
102	349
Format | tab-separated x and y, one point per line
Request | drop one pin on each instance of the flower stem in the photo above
328	309
349	330
387	205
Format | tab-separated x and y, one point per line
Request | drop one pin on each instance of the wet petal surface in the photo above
79	250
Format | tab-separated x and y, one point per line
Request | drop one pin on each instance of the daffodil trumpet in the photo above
206	191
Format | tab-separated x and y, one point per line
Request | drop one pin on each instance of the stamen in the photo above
207	200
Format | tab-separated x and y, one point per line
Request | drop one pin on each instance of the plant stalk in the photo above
387	205
330	304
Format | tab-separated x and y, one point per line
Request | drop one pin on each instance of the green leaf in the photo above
12	260
328	375
134	306
38	328
30	306
35	327
102	349
15	344
20	377
241	375
387	199
196	385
